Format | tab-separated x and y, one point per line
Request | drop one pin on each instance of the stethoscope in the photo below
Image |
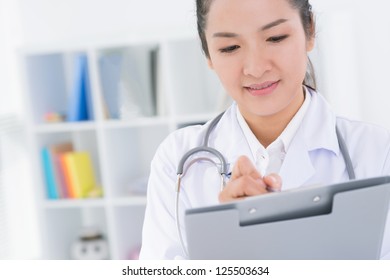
223	169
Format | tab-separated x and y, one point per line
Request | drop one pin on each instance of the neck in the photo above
268	128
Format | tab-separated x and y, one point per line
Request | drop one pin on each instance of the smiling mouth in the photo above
262	86
263	89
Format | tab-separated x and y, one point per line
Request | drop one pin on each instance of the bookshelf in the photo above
137	93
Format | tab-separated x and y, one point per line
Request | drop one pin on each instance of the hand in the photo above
247	181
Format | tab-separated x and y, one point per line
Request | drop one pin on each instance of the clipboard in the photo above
340	221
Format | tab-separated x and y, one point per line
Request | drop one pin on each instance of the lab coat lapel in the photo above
317	132
297	167
230	139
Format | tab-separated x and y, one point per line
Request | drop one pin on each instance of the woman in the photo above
278	123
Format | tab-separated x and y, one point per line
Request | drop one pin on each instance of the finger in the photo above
273	182
242	187
244	166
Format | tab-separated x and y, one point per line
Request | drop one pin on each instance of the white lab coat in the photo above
313	157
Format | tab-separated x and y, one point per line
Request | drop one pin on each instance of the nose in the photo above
256	63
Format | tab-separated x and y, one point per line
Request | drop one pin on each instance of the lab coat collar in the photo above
232	142
319	125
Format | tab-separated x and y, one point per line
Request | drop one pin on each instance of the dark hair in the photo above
307	19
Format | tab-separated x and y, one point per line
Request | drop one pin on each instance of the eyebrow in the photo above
273	24
225	35
263	28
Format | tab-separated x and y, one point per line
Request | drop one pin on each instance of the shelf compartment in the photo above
52	79
66	226
128	167
191	87
128	81
82	141
128	235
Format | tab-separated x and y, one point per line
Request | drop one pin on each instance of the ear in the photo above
210	63
310	44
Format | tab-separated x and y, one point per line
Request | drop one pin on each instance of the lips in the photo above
263	88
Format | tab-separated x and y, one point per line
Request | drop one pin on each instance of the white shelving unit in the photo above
184	91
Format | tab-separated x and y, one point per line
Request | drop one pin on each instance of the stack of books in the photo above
68	173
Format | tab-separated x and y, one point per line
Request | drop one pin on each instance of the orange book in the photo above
66	175
56	151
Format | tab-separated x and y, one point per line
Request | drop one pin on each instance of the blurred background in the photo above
39	42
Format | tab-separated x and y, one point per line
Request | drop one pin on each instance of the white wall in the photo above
353	41
48	21
16	194
10	37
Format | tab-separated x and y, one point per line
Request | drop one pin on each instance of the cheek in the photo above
294	61
229	72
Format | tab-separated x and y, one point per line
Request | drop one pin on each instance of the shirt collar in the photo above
282	143
289	132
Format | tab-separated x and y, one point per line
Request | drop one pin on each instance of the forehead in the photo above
233	14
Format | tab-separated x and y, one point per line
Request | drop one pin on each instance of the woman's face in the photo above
258	48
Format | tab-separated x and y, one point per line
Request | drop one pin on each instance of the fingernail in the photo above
273	179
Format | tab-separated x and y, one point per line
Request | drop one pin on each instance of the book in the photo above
56	151
53	172
79	173
78	106
71	193
49	174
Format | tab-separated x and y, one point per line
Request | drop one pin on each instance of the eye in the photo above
277	39
229	49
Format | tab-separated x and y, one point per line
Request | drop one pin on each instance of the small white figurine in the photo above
91	245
